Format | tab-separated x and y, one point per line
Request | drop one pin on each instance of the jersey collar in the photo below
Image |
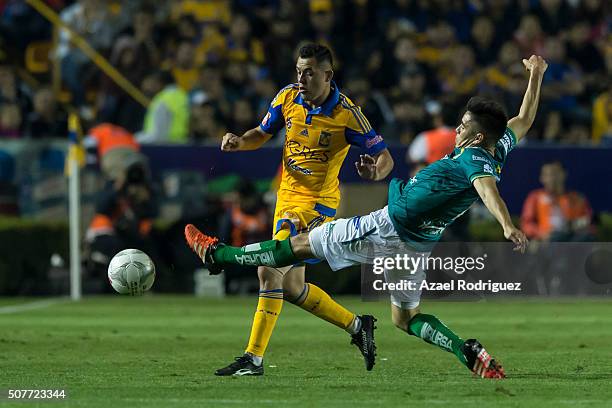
327	107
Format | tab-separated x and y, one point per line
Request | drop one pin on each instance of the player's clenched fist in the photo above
535	64
230	142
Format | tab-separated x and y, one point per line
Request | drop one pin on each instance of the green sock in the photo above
433	331
268	253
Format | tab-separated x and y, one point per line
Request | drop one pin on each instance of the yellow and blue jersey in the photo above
317	141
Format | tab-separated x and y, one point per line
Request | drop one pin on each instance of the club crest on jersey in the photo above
325	138
288	125
304	132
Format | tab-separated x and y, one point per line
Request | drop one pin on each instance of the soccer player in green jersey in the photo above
417	213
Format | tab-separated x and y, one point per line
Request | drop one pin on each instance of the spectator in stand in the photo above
279	46
211	11
210	49
485	41
529	36
265	90
115	105
204	121
408	104
553	213
210	83
113	148
242	116
185	71
12	90
439	42
167	118
322	23
145	37
373	103
432	145
459	76
578	134
582	50
553	127
404	57
562	82
554	16
10	121
241	46
602	118
47	119
236	81
504	14
505	78
93	20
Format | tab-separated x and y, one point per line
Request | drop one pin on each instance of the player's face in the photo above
467	133
313	78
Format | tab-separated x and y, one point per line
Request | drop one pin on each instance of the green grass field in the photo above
160	351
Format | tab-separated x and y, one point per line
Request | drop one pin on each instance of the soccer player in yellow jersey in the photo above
321	123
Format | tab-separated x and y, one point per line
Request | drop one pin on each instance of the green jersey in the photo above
422	207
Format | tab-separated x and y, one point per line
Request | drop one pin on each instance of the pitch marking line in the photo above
39	304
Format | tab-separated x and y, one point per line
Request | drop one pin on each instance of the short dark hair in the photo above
490	117
317	51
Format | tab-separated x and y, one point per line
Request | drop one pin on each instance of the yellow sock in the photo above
282	234
268	308
323	306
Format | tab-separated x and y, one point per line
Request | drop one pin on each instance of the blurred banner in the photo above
521	173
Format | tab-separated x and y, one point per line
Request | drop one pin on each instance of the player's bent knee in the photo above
301	246
401	317
269	278
401	324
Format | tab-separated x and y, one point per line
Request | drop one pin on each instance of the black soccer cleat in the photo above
242	366
364	340
480	362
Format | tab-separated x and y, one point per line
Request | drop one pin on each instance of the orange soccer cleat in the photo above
203	245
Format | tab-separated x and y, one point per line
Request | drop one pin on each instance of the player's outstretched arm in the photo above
251	140
521	123
487	190
375	168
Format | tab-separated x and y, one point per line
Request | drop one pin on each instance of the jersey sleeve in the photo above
273	121
475	165
506	143
359	132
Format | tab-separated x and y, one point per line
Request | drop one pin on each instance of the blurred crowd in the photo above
210	66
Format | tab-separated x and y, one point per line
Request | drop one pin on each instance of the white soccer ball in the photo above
131	272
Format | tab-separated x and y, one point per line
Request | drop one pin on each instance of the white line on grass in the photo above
39	304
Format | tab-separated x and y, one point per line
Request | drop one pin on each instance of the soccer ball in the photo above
131	272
